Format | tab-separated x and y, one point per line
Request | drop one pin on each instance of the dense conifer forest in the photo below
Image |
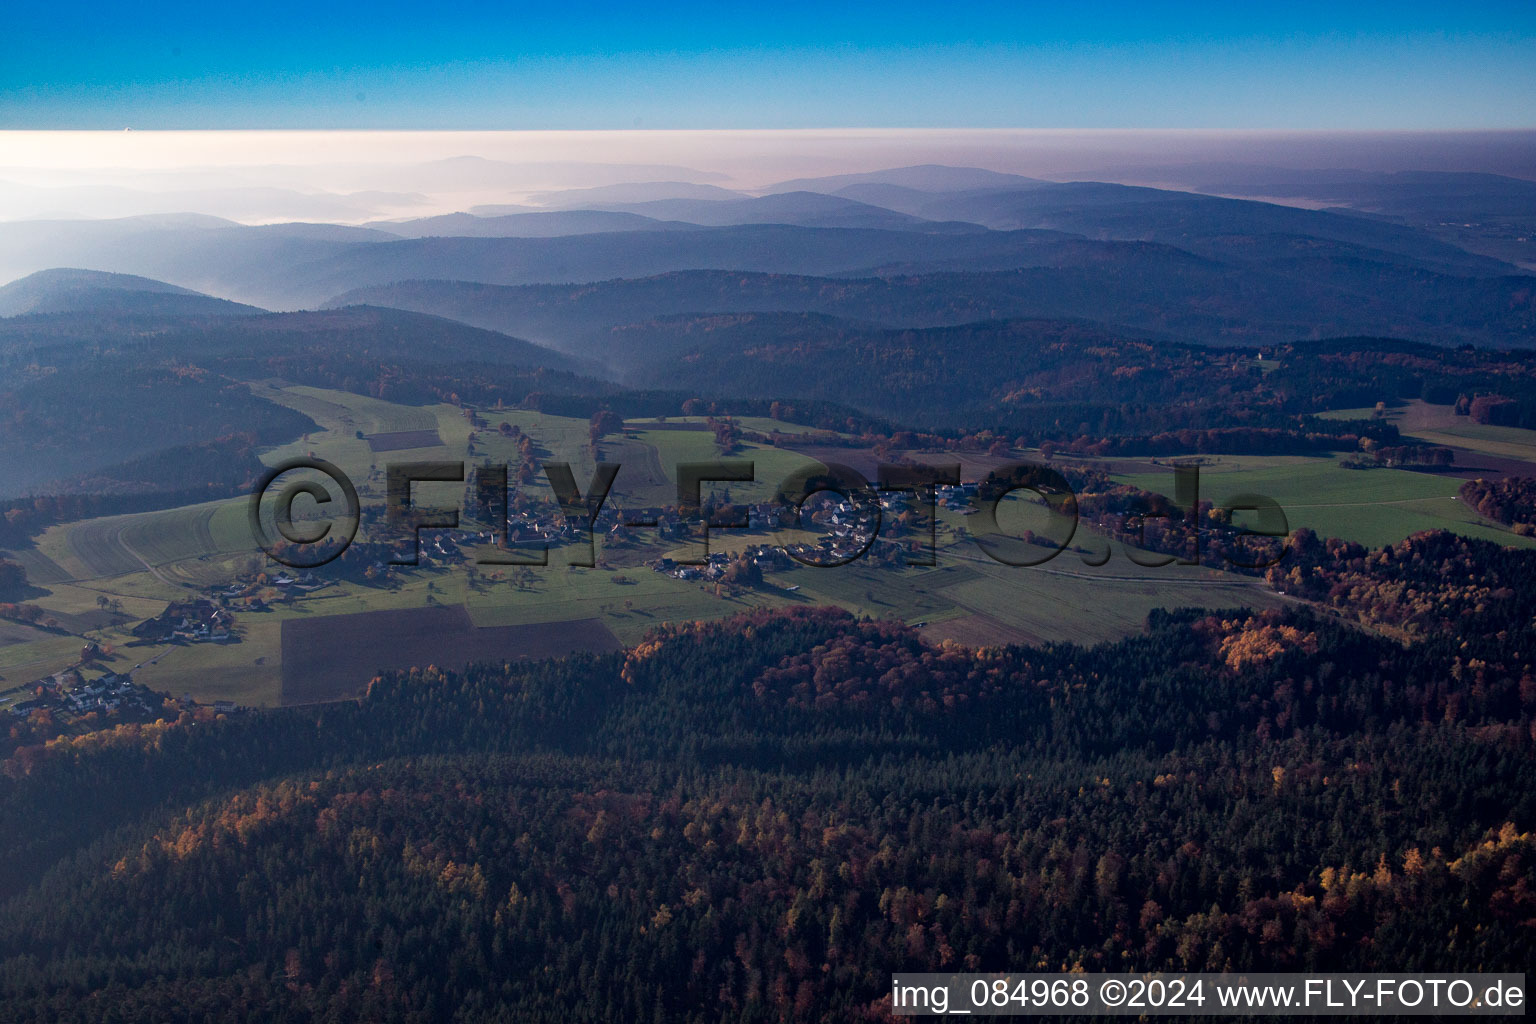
763	817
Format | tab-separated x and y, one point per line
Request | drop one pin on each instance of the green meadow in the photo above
1375	507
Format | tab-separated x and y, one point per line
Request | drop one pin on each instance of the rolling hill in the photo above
391	335
97	293
83	392
1065	378
1139	287
1210	225
887	225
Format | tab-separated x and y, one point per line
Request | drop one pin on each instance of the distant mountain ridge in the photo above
632	192
1211	225
528	224
803	209
921	177
1178	264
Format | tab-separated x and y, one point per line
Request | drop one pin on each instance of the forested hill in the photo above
1053	377
81	393
357	332
1137	286
89	291
763	818
85	421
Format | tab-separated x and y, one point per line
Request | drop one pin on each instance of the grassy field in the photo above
1066	600
79	600
342	416
771	466
343	410
1439	424
643	599
1375	507
556	439
40	568
249	672
1063	600
22	663
118	545
758	424
1378	506
1505	442
909	594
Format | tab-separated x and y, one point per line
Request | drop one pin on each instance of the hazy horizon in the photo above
352	177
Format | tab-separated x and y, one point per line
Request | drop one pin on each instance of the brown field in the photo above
973	465
1473	465
403	440
1481	451
860	460
19	633
333	657
81	622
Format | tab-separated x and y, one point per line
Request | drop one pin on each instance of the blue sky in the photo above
503	66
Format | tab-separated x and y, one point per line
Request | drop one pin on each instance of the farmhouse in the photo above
197	621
